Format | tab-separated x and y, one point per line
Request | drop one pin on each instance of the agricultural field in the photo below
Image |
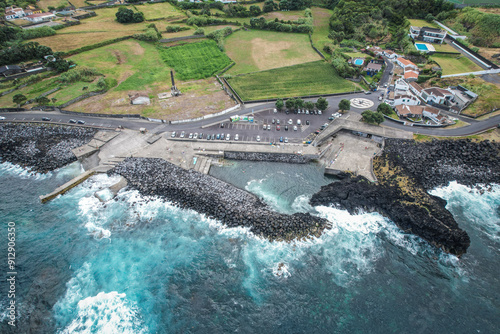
258	50
44	4
321	19
451	65
292	15
195	60
161	10
312	78
138	67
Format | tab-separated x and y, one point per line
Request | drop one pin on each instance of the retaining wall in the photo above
272	157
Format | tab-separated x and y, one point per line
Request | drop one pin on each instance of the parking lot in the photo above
268	126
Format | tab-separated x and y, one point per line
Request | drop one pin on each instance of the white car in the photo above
286	139
195	136
173	134
258	138
294	128
275	111
190	136
236	137
183	134
290	121
2	118
228	137
298	122
319	112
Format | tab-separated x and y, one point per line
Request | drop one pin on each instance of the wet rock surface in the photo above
42	147
272	157
406	171
217	199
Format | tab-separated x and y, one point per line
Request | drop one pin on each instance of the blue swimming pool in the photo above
421	47
358	62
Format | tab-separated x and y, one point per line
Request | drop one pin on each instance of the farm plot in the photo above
258	50
299	80
321	20
195	60
452	64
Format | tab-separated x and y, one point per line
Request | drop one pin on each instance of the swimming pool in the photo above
421	47
358	62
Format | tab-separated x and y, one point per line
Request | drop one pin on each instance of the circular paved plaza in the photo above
361	103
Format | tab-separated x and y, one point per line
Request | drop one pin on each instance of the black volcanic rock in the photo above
40	146
217	199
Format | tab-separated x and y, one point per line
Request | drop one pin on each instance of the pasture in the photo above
452	64
312	78
321	19
195	60
258	50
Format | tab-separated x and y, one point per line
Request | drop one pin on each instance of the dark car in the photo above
46	119
200	136
221	125
307	122
286	127
331	118
72	121
81	122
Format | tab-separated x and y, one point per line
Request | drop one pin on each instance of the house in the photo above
433	114
406	99
33	9
406	64
372	68
401	85
437	95
377	50
462	97
10	70
139	98
390	54
40	17
407	111
410	75
415	88
14	12
427	34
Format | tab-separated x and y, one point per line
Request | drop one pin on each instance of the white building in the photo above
14	12
401	85
40	17
406	99
427	34
406	64
436	95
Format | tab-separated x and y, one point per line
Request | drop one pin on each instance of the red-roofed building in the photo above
410	75
404	110
40	17
406	64
415	88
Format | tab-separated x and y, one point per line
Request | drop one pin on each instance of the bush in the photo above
37	32
199	31
176	28
84	73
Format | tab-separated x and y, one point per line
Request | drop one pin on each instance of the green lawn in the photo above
196	60
451	65
321	20
259	50
356	54
312	78
423	23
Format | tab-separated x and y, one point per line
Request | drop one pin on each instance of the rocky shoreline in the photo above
205	194
41	147
272	157
406	170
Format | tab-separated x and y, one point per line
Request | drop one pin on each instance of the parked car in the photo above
307	123
298	122
221	125
200	135
183	134
228	137
286	139
236	137
331	118
222	136
80	121
278	128
368	93
290	121
275	111
294	128
269	127
191	136
274	121
258	138
307	112
2	118
209	137
281	139
320	112
218	136
286	127
277	121
43	119
72	121
195	136
173	134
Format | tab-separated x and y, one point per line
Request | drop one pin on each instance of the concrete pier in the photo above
67	186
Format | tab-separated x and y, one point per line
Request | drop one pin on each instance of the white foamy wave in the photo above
281	270
301	204
257	187
22	172
109	313
479	206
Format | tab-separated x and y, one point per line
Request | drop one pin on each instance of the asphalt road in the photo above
263	115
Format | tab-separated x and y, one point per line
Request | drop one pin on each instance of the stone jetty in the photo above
42	147
406	170
217	199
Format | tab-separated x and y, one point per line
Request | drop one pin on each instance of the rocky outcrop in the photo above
272	157
215	198
42	147
406	171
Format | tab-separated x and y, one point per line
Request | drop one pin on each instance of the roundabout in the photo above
361	103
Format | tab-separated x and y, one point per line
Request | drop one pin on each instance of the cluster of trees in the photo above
218	36
176	28
151	34
298	103
372	117
11	34
339	63
125	15
202	21
276	25
294	4
242	11
37	32
20	52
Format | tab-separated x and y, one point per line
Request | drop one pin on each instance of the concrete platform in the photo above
67	186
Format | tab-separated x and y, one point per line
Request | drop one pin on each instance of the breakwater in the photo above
41	147
406	170
217	199
271	157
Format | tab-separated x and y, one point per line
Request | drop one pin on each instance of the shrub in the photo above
37	32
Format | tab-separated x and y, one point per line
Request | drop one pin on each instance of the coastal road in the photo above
263	114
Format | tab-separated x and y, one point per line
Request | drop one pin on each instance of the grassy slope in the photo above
161	10
257	50
304	79
321	17
423	23
195	60
452	65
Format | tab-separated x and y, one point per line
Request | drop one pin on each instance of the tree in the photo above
290	104
384	108
124	15
309	105
42	100
372	117
54	100
19	99
268	6
322	104
255	10
279	104
344	105
299	103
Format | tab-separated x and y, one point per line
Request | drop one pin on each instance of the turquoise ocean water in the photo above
140	265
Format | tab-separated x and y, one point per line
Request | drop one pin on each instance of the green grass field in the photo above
160	10
312	78
321	19
196	60
258	50
423	23
451	65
